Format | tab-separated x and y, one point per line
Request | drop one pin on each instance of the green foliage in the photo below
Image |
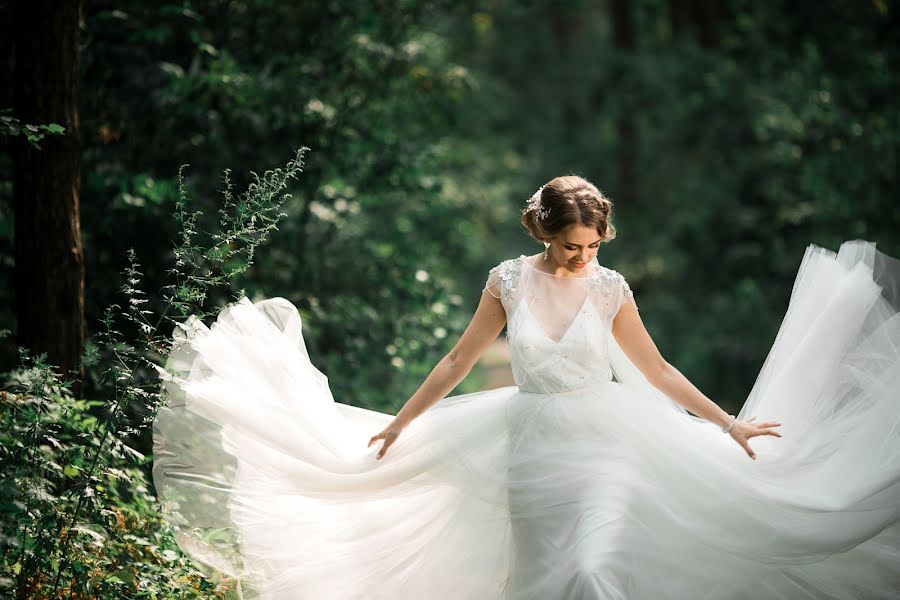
119	546
727	145
244	222
80	519
11	127
392	187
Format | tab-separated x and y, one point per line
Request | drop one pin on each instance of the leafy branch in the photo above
11	127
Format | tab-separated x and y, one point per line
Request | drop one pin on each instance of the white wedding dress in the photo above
580	482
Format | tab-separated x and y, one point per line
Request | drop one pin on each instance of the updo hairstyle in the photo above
566	201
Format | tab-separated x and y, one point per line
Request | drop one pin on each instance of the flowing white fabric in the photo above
582	481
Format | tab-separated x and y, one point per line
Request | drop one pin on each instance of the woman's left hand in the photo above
744	430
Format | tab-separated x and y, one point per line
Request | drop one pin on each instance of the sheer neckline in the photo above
529	261
571	325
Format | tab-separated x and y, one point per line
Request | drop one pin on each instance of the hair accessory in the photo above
534	203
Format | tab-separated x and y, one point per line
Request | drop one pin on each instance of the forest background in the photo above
729	134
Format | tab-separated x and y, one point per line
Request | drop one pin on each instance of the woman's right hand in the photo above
389	434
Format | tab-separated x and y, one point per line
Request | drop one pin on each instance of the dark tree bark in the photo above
49	272
623	38
567	25
700	16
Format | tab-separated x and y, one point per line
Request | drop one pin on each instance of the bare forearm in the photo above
676	386
443	378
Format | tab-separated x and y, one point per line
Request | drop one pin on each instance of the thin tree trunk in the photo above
701	16
49	271
567	26
623	38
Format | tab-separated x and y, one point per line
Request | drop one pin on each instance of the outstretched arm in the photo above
635	341
485	326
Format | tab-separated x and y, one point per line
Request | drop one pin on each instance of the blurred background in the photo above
729	134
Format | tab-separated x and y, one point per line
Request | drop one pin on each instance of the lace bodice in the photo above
558	327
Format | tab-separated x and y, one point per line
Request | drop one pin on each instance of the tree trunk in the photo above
566	25
701	16
49	271
623	38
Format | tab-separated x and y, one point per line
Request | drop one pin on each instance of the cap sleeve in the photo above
493	283
611	292
503	283
624	293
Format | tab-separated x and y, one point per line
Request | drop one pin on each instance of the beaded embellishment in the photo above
606	280
508	271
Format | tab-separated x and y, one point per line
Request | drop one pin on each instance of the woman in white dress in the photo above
587	479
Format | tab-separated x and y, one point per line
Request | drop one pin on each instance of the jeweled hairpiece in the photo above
534	203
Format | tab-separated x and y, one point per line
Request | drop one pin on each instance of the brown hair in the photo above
571	200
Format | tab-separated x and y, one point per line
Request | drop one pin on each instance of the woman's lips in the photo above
578	264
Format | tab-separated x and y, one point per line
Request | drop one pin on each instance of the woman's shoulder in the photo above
505	276
607	279
510	265
604	272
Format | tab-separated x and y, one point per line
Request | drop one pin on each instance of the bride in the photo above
603	473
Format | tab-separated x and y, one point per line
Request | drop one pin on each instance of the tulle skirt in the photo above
604	492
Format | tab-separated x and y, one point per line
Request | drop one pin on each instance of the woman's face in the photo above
574	248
